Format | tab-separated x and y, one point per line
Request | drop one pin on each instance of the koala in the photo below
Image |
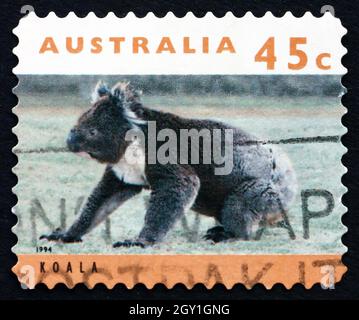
258	190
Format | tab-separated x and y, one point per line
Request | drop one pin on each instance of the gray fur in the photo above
260	188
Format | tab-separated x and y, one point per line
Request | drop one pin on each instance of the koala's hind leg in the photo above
247	204
218	234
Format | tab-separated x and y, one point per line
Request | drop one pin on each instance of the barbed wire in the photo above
42	150
300	140
316	139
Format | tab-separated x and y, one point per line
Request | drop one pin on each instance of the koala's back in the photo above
250	162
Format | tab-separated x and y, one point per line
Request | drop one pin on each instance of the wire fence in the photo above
299	140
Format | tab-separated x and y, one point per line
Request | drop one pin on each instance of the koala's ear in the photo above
125	92
101	89
119	90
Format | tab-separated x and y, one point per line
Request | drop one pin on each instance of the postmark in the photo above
179	150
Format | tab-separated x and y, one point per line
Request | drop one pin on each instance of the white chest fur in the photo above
131	167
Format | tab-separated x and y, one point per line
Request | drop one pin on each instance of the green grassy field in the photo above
45	121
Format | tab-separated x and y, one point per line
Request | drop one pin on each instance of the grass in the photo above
45	121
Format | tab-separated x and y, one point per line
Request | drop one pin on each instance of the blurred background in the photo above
258	85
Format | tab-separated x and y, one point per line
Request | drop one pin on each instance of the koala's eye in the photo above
93	132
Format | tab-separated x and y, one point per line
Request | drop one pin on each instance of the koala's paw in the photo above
217	234
60	236
128	244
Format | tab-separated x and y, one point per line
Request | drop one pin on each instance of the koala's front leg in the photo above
174	190
108	195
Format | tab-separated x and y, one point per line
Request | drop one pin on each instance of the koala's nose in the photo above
73	141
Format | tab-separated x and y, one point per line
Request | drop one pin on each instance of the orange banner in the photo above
172	269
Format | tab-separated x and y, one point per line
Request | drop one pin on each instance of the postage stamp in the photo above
179	150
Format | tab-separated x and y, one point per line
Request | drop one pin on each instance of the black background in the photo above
348	288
